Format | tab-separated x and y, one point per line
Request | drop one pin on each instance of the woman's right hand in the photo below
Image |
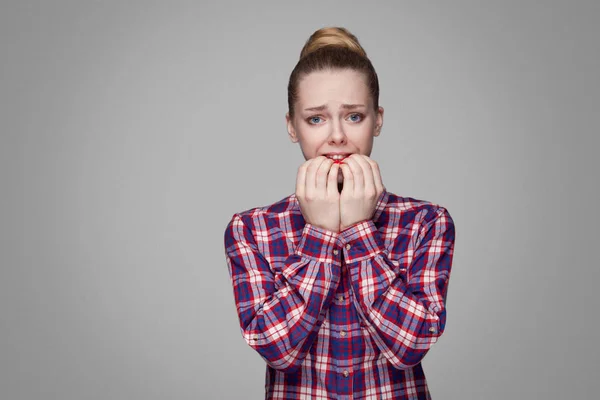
317	193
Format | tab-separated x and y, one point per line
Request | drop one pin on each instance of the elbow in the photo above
287	363
286	367
409	359
285	360
285	353
413	354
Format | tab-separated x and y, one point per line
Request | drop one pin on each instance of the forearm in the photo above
402	326
401	299
280	308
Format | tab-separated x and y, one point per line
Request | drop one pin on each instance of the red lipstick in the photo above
337	160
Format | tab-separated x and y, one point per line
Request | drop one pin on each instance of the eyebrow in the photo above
343	106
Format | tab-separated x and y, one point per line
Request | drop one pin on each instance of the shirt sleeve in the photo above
401	301
281	309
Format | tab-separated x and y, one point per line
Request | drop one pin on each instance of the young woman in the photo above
340	287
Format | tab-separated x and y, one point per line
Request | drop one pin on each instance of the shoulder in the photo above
261	215
286	205
414	209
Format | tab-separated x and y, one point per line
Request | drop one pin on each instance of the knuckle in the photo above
326	164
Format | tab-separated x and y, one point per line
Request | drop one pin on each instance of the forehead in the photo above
332	88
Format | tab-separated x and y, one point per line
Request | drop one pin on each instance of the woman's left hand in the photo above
362	188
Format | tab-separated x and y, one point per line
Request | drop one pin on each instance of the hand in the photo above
362	188
317	193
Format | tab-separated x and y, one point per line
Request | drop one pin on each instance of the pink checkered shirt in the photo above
346	315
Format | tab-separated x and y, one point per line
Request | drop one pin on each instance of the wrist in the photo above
316	243
346	226
327	228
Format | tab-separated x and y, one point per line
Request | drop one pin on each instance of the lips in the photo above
337	158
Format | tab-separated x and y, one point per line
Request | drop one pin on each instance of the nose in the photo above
337	135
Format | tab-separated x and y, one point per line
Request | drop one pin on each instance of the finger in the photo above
321	178
357	173
332	188
369	188
311	172
348	178
301	180
377	176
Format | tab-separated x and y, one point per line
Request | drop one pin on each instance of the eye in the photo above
311	120
357	117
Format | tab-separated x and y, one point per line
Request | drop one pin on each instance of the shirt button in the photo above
346	373
343	333
335	252
348	246
432	329
341	298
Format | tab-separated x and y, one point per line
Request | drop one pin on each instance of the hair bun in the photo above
332	36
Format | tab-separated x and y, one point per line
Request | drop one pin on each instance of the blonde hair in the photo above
332	36
332	48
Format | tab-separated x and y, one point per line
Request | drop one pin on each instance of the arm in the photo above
404	318
280	313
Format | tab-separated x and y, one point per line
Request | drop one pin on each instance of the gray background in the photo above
132	131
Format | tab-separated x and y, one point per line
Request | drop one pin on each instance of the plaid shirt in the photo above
346	315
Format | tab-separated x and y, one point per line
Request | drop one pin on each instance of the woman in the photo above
340	287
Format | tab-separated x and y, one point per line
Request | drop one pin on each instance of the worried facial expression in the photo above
334	116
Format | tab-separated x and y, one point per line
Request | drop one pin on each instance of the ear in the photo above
378	121
290	128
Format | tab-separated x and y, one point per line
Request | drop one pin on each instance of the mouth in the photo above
337	158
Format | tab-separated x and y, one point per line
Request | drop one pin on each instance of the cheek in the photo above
361	131
312	142
308	145
362	140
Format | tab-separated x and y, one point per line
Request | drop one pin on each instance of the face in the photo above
334	114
